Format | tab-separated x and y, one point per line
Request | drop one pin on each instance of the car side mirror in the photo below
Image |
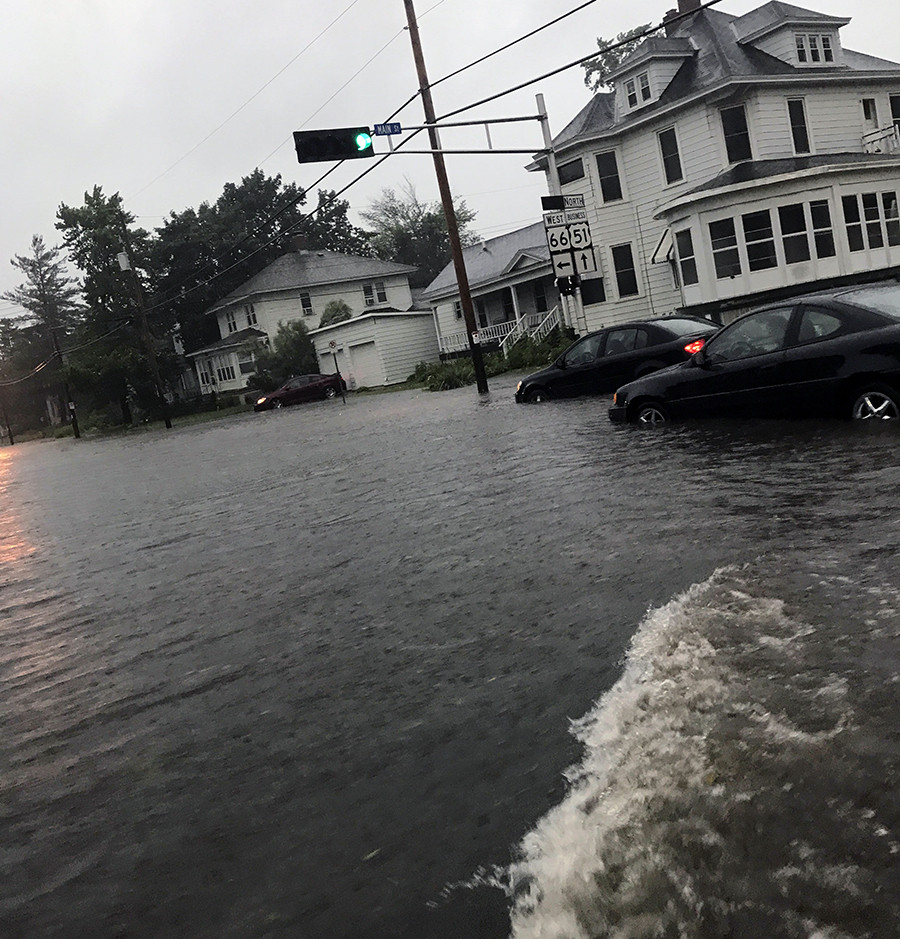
700	359
560	362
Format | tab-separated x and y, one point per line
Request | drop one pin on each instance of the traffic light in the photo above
568	285
340	143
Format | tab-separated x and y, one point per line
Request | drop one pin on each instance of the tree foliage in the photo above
407	230
201	255
336	311
291	353
596	70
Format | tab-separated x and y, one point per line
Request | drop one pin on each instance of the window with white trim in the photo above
374	293
799	129
814	49
251	314
823	233
230	321
895	110
794	233
457	309
644	85
569	172
736	133
626	275
871	220
306	303
760	240
631	93
687	262
610	183
668	147
726	258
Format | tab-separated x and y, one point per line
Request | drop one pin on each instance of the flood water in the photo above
429	665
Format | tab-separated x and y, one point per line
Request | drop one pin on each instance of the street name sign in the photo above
385	130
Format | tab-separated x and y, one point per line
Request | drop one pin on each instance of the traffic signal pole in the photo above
440	170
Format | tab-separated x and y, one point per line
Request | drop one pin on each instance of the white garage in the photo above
381	348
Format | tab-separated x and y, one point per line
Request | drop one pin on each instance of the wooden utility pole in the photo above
125	263
440	170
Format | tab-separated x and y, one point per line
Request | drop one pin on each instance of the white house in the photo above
296	286
735	160
511	282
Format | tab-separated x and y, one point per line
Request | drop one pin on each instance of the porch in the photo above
882	140
502	335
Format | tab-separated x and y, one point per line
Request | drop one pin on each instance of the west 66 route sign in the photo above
568	235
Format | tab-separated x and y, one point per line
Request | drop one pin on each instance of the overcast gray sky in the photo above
139	96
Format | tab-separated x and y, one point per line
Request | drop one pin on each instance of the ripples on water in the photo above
294	673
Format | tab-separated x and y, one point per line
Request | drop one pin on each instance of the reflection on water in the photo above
14	545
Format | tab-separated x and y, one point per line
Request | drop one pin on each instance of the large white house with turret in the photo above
734	160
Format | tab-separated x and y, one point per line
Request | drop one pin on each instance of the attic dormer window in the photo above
637	90
814	49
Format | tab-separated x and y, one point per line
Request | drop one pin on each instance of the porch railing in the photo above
883	140
532	324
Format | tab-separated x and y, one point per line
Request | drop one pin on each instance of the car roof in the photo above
656	321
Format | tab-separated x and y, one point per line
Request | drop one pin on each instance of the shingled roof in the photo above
718	58
303	269
491	260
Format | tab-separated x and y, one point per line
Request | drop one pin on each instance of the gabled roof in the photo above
777	15
232	339
494	259
718	59
304	269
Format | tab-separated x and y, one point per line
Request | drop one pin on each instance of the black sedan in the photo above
834	353
599	362
301	388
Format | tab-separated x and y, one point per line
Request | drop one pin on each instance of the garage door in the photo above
365	365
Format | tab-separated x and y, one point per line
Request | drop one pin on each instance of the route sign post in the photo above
569	239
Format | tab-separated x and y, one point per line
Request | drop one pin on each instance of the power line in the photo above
255	95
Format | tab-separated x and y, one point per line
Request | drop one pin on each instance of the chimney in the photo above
688	6
684	6
670	15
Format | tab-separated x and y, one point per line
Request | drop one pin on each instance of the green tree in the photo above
596	70
50	297
111	363
291	353
201	255
336	311
410	231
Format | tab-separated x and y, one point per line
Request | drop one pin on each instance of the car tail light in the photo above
694	346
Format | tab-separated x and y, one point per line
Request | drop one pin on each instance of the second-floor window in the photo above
895	110
230	321
251	314
569	172
306	303
737	134
668	145
799	130
375	293
637	90
457	309
610	184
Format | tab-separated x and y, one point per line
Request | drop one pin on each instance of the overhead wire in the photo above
280	234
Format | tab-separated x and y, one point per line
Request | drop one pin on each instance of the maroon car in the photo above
300	388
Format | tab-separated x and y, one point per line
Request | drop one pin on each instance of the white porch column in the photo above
515	300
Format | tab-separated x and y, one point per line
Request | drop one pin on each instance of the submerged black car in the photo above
301	388
834	353
602	361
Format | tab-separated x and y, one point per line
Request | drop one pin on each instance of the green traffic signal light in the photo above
336	143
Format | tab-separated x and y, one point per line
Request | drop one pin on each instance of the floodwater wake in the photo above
738	780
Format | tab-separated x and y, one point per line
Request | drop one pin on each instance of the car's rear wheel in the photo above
330	392
876	403
650	414
536	396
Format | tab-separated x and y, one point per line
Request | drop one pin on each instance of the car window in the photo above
883	298
584	352
818	324
756	334
619	341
